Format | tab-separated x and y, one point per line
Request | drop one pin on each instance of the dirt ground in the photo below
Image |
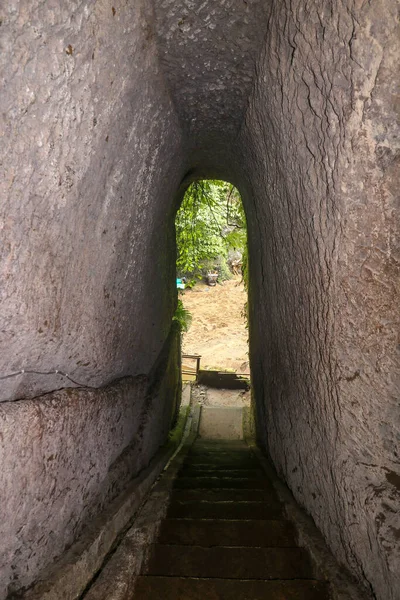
218	330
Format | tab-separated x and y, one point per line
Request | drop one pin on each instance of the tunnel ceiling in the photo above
208	53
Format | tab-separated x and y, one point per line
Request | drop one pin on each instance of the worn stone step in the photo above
225	461
225	472
220	443
223	456
179	588
221	453
217	454
229	562
211	532
221	466
243	483
213	443
223	510
218	495
219	449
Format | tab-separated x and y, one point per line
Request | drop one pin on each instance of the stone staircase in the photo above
225	536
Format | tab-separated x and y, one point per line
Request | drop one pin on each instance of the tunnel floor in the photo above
226	535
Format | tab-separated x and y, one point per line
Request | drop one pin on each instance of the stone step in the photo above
242	483
231	453
219	450
229	562
220	465
223	510
207	462
211	532
225	458
218	495
218	444
178	588
222	453
191	471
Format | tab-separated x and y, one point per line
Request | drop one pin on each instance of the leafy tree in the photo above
210	221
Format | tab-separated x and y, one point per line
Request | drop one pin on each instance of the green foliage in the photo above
220	265
199	225
237	239
182	316
223	269
175	435
210	221
245	268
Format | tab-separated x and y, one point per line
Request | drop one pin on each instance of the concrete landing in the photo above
223	423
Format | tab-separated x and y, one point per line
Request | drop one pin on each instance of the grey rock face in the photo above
57	455
90	139
325	273
106	111
66	455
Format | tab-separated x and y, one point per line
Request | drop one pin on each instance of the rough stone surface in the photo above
54	454
66	456
208	52
117	578
320	148
89	141
107	111
89	138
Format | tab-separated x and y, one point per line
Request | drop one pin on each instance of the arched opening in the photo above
212	273
212	281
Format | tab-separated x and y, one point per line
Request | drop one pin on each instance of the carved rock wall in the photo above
320	149
106	111
91	155
66	455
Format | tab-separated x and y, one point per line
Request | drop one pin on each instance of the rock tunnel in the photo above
108	110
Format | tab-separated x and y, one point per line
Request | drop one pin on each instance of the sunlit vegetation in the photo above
211	231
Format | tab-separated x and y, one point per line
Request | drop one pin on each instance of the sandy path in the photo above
218	330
